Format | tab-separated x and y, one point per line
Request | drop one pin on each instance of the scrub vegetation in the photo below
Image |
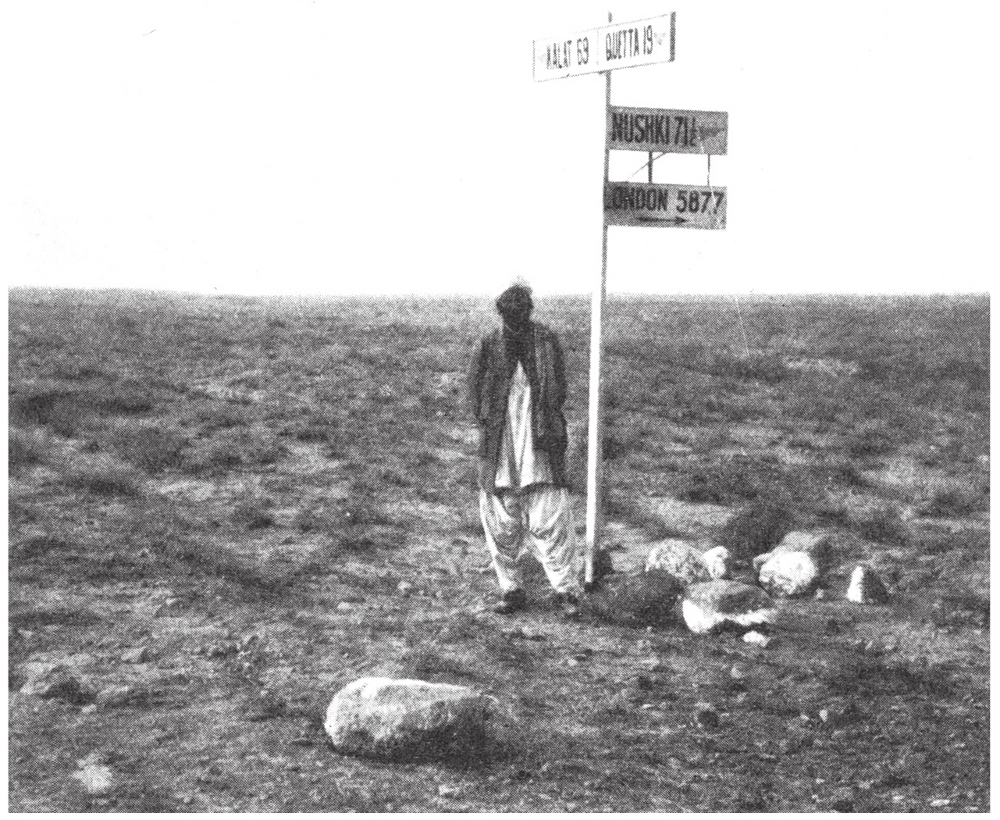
222	509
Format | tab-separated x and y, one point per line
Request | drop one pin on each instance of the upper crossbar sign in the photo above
605	48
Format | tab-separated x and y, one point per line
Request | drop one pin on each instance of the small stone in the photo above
756	639
55	681
572	662
706	715
404	588
678	558
717	561
842	800
820	594
345	606
824	715
712	605
137	654
447	791
866	587
115	696
940	803
97	779
738	671
788	574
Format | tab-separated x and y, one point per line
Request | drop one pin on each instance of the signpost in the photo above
667	131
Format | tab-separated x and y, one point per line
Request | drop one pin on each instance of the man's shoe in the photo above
569	605
511	602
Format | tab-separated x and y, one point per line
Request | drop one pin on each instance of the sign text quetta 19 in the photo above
616	45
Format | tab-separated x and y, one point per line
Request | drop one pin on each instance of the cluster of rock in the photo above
711	600
412	719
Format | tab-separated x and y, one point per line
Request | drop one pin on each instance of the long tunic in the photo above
520	464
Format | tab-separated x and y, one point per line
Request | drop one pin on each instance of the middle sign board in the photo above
667	130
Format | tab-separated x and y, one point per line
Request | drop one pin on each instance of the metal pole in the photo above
650	166
595	420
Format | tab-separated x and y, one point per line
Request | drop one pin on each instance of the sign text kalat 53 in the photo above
605	48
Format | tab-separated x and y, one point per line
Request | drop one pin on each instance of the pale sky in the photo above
310	147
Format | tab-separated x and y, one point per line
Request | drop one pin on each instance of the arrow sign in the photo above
605	48
667	130
652	205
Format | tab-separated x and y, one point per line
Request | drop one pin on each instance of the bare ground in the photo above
238	488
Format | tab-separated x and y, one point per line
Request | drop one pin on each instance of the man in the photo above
517	387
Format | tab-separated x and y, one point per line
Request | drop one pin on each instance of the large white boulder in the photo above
717	561
679	559
788	574
866	587
712	605
386	717
818	545
795	565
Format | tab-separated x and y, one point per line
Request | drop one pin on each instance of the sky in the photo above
336	148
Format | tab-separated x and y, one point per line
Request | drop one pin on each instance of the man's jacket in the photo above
489	384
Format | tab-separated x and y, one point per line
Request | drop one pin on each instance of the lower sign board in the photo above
653	205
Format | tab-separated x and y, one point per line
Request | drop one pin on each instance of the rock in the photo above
717	561
447	791
679	559
96	777
866	587
788	573
345	606
647	599
817	545
114	696
712	605
138	654
603	565
756	638
706	715
404	587
842	800
55	680
383	717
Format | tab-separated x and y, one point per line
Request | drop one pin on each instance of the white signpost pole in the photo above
604	49
595	419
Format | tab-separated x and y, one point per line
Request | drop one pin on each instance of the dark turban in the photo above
516	298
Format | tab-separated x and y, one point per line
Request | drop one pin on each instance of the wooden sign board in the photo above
667	130
653	205
605	48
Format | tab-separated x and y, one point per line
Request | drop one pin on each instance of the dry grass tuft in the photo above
756	528
24	448
106	480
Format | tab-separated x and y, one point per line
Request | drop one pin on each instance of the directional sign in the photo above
605	48
652	205
667	130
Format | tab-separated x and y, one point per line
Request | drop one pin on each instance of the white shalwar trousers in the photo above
540	515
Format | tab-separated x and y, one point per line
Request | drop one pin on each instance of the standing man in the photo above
517	387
